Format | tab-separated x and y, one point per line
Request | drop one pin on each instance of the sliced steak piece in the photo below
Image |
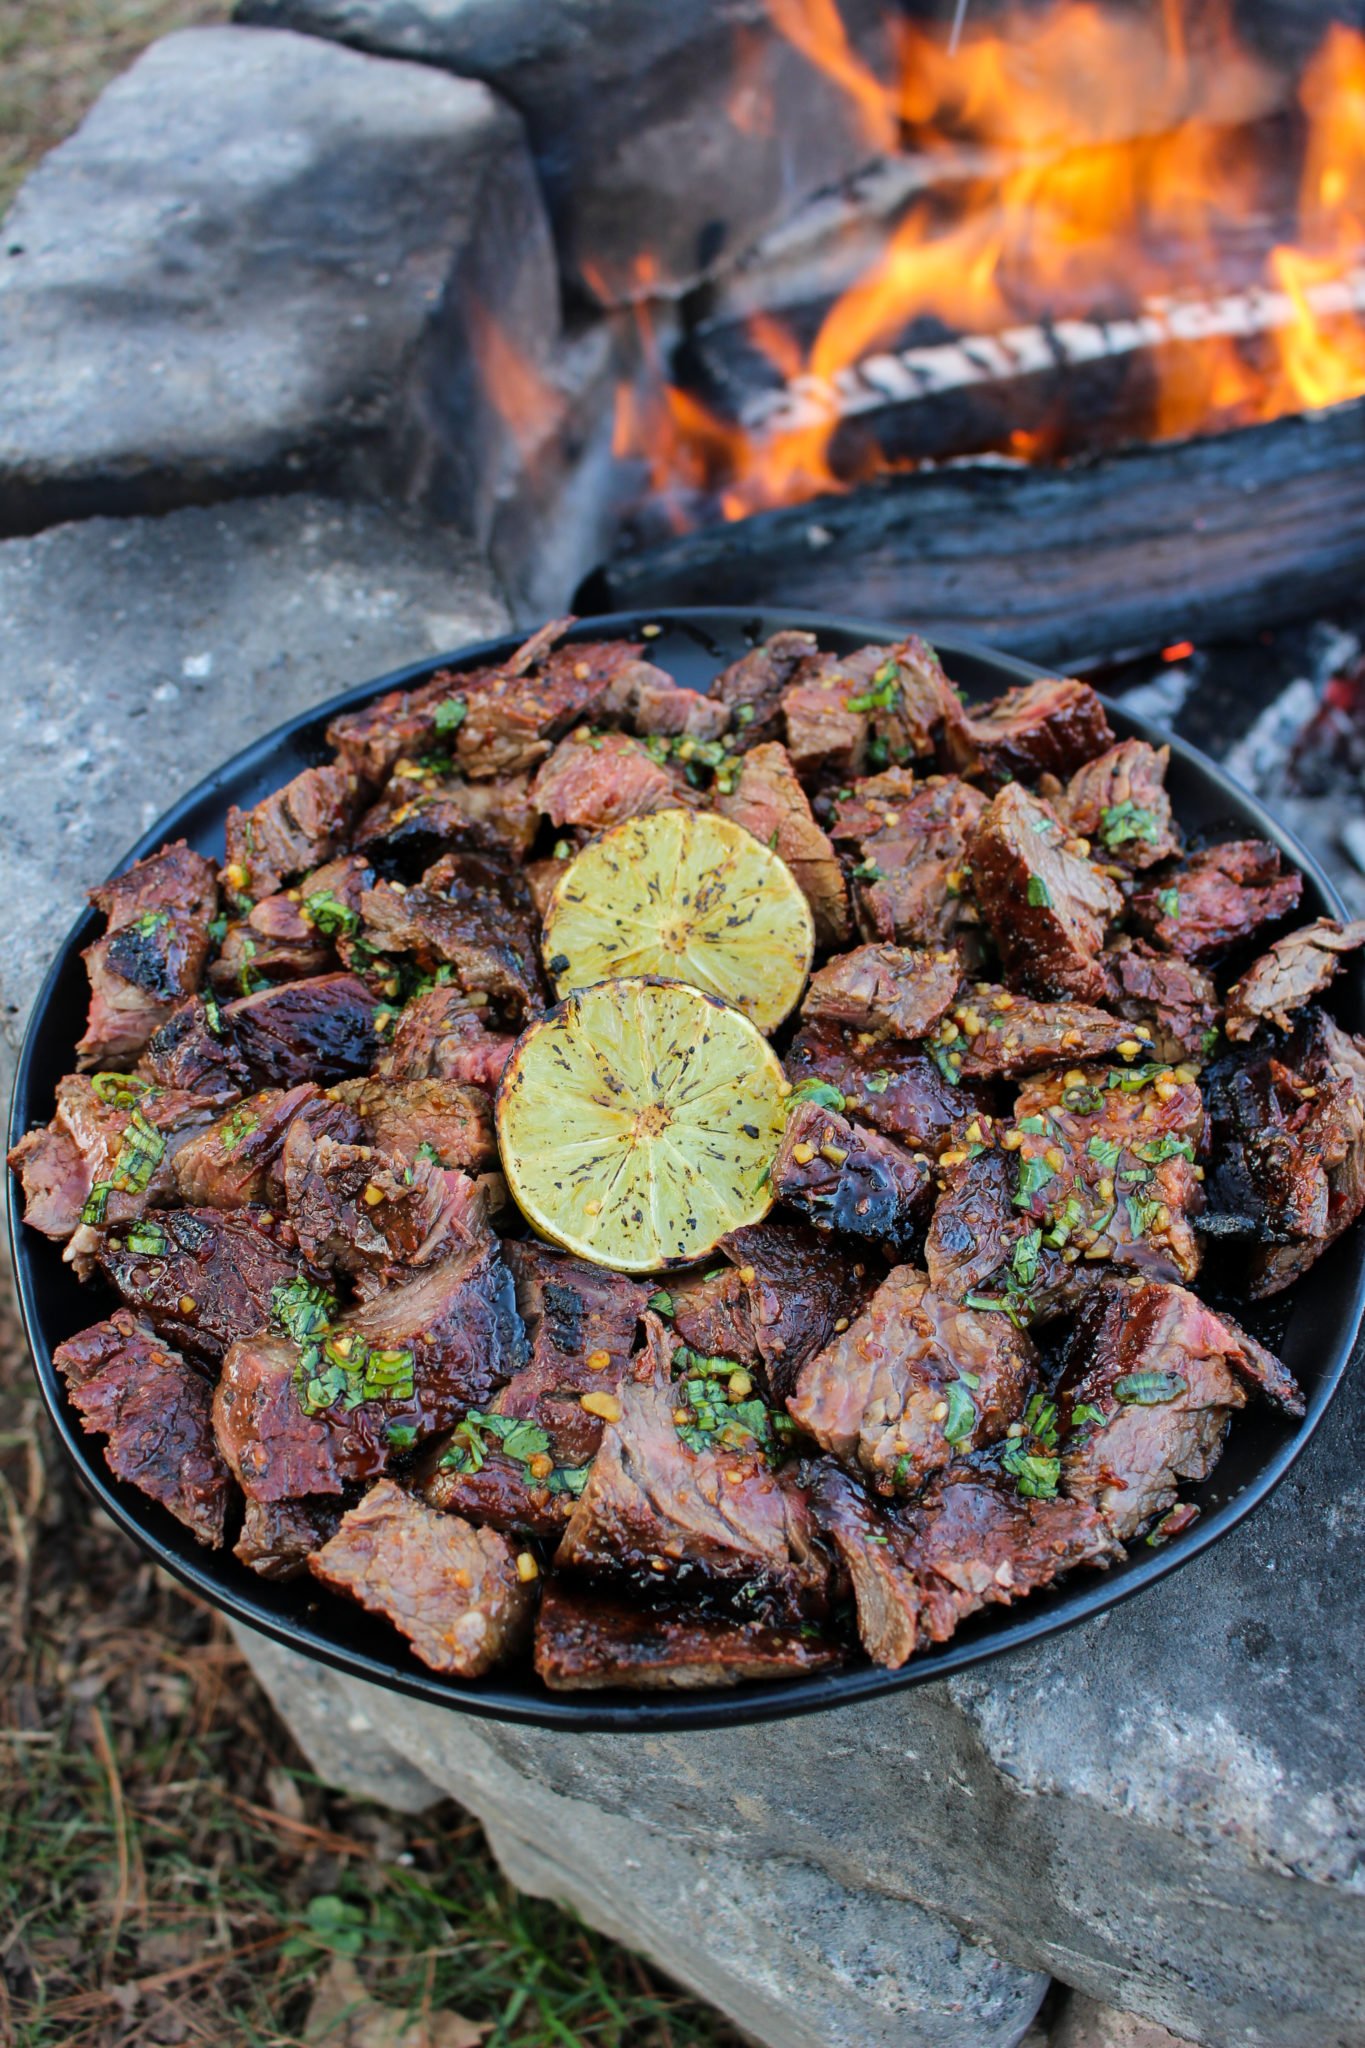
279	1536
360	1210
896	1087
425	813
898	990
915	1381
202	1277
289	832
971	1541
233	1162
972	1250
247	960
453	1591
1287	978
153	953
911	880
513	715
1045	728
525	1494
595	779
404	722
316	1412
441	1036
106	1157
470	914
775	1301
753	686
1001	1035
825	717
768	801
324	907
588	1641
1217	898
582	1323
672	1515
192	1051
1176	1000
153	1406
1047	905
1291	1130
1149	1382
852	1182
1119	803
653	704
444	1121
322	1030
914	708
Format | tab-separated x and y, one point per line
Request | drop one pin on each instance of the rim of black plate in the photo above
317	1626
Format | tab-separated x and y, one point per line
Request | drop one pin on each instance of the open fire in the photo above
1103	227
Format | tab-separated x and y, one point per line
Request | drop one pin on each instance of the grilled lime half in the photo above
637	1123
689	895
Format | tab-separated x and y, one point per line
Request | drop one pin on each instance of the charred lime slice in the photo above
689	895
637	1123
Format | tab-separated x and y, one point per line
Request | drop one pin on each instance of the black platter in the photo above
1313	1325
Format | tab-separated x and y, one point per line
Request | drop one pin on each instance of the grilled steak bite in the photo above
682	1493
322	1030
983	1250
201	1276
909	839
441	1036
849	1181
424	813
1001	1035
896	1087
1292	1133
469	915
1177	1001
518	1490
898	990
152	955
1287	978
153	1406
405	722
288	833
1045	728
1150	1381
444	1121
824	716
248	961
914	708
360	1210
777	1299
1217	898
915	1381
581	1323
1119	803
970	1541
768	801
513	714
1047	905
233	1161
455	1592
586	1641
752	687
192	1052
322	1400
597	779
279	1536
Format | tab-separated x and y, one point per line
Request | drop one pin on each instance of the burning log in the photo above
1217	534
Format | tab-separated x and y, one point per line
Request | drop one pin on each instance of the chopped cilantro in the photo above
451	714
662	1303
1209	1040
236	1129
1121	823
329	915
1149	1389
1039	895
302	1309
401	1435
1105	1151
1131	1079
1034	1175
1155	1150
1169	899
822	1092
1036	1477
515	1436
884	693
1024	1264
218	928
426	1150
1086	1413
1141	1214
961	1417
867	871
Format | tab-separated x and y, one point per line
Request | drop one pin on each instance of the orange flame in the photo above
1100	170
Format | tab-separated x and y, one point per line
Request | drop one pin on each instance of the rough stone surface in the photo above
1084	2023
263	258
135	654
799	1948
1165	1809
674	133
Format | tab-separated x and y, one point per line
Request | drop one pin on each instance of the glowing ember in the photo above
1111	170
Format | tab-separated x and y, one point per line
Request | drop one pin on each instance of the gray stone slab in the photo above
675	132
136	654
263	258
1165	1809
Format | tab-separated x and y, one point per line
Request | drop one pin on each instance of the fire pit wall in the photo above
314	318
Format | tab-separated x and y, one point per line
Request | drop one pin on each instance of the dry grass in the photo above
56	56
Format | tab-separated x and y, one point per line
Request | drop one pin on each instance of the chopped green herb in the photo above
1122	823
1001	1305
961	1417
822	1092
329	915
1035	1477
1040	1420
1131	1079
1036	1126
1034	1175
878	752
451	714
121	1091
884	694
867	871
426	1150
213	1016
942	1059
1149	1389
236	1129
218	928
662	1303
1141	1214
878	1083
1024	1264
1105	1151
1169	899
1085	1414
147	1238
1209	1040
302	1309
401	1435
569	1479
1155	1150
1039	895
